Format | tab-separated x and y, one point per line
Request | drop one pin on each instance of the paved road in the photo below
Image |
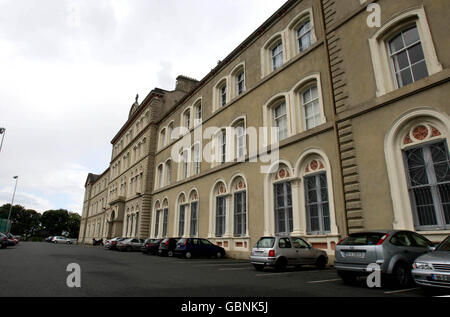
39	269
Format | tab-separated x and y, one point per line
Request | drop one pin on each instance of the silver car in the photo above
391	251
282	251
130	244
433	269
59	239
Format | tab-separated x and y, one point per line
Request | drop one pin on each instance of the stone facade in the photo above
348	131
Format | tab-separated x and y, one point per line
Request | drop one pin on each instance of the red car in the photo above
11	237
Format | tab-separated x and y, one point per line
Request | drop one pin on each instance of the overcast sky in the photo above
70	70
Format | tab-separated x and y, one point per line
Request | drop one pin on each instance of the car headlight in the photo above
422	266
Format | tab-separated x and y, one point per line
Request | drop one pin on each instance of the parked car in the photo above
433	269
3	241
151	246
198	247
393	250
49	239
9	239
168	246
60	239
13	238
112	243
130	244
282	251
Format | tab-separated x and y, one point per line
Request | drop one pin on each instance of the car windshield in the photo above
265	243
181	241
365	238
204	241
444	246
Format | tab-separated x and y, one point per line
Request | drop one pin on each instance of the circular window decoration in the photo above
421	133
221	189
314	166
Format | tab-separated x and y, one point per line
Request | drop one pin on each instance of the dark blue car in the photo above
197	247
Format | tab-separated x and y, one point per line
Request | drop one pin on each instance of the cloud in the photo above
70	70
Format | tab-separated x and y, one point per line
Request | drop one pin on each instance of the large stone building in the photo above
362	118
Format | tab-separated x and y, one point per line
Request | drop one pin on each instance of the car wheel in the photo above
170	253
321	262
219	255
402	275
258	267
188	255
347	277
281	264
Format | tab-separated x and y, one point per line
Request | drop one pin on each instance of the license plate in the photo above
436	277
354	254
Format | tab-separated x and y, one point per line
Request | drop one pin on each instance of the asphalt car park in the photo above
40	269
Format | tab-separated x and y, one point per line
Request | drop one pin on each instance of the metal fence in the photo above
4	225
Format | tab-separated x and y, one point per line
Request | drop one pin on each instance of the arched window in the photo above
276	52
403	51
182	206
165	218
168	172
311	107
157	219
127	224
407	57
282	197
238	80
136	229
316	197
198	112
170	132
196	159
239	207
162	138
160	177
309	111
220	94
219	200
280	119
187	119
417	157
193	232
304	35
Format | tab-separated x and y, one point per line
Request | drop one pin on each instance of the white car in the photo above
59	239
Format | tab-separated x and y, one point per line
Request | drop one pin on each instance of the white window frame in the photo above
380	54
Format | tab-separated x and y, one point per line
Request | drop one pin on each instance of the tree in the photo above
73	224
23	221
55	221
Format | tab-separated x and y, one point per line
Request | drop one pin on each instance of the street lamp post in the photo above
2	132
12	202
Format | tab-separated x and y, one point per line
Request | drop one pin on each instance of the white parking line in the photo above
221	264
272	274
209	262
402	290
324	281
